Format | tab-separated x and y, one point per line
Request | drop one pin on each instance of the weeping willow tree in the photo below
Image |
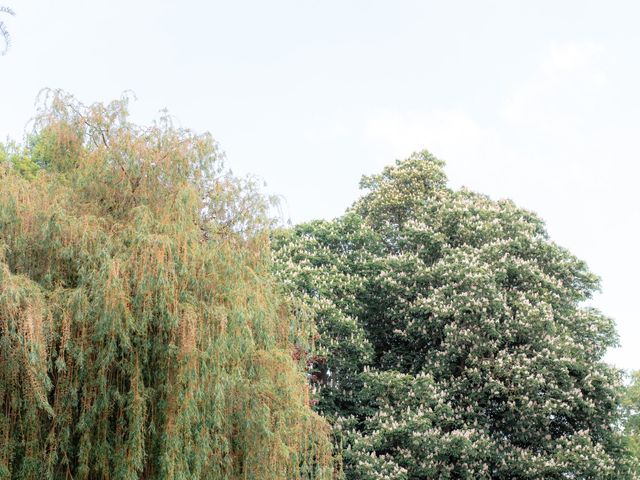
141	333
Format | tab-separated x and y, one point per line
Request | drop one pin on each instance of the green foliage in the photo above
20	158
142	334
453	338
631	416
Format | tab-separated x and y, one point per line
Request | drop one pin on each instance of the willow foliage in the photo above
141	333
4	32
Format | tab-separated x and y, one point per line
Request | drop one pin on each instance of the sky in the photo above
534	101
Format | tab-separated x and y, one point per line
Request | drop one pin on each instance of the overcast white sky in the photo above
535	101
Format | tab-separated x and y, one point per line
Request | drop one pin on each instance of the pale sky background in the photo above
538	101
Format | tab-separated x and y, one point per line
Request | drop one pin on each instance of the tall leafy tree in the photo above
454	340
142	334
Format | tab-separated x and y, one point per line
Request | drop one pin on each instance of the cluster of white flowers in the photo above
467	352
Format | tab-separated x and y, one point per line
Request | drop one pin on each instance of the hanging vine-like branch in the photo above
4	32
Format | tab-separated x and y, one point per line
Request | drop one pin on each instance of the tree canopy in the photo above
154	325
454	339
142	334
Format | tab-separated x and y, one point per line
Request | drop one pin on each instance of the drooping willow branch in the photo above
4	32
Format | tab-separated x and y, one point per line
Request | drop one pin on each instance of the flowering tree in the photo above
453	339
